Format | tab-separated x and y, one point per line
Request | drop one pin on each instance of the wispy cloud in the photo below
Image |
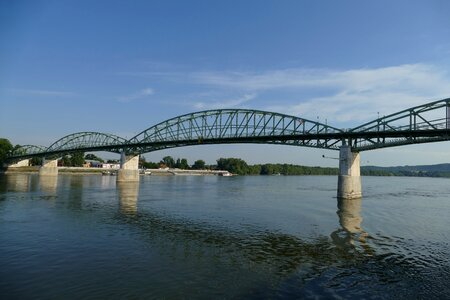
228	103
341	96
361	79
137	95
32	92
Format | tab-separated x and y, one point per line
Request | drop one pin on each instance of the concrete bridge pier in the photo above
22	163
129	168
49	167
349	180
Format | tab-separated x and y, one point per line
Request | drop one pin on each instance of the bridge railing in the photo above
441	123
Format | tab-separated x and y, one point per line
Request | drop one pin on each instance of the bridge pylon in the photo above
49	167
349	180
21	163
129	168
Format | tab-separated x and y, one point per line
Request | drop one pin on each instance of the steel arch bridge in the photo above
227	126
80	141
421	124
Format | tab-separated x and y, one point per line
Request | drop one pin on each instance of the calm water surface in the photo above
86	237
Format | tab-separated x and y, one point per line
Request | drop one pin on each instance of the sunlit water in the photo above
85	237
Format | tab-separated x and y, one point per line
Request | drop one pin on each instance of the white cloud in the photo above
135	96
345	96
230	103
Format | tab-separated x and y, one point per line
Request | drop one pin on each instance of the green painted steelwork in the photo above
233	126
421	124
425	123
28	149
82	140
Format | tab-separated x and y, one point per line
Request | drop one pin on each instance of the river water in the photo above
204	237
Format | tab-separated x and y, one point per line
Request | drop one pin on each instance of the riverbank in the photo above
365	171
100	171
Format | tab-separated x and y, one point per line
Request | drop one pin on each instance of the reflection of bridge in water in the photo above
349	234
283	253
421	124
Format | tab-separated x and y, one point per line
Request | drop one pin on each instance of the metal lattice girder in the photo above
26	151
234	126
420	124
87	141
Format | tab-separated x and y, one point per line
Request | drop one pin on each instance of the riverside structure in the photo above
421	124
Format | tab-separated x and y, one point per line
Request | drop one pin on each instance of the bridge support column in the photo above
49	168
22	163
349	180
129	168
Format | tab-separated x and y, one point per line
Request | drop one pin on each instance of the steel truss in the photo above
26	151
234	126
421	124
80	141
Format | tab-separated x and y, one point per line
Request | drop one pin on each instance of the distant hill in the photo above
439	170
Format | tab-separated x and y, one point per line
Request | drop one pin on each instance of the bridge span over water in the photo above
426	123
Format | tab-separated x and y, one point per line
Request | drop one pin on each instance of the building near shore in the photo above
102	165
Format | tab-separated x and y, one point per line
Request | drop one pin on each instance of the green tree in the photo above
91	156
150	165
77	159
5	148
184	164
233	165
198	165
178	163
168	161
66	161
143	163
36	161
254	170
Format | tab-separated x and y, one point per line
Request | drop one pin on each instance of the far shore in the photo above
101	171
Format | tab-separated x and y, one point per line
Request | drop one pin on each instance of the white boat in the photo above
226	174
144	172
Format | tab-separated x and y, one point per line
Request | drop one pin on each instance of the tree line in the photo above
170	162
240	167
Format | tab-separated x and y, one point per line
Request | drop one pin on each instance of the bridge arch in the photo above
88	141
233	126
28	150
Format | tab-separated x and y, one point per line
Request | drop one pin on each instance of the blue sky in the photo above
122	66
